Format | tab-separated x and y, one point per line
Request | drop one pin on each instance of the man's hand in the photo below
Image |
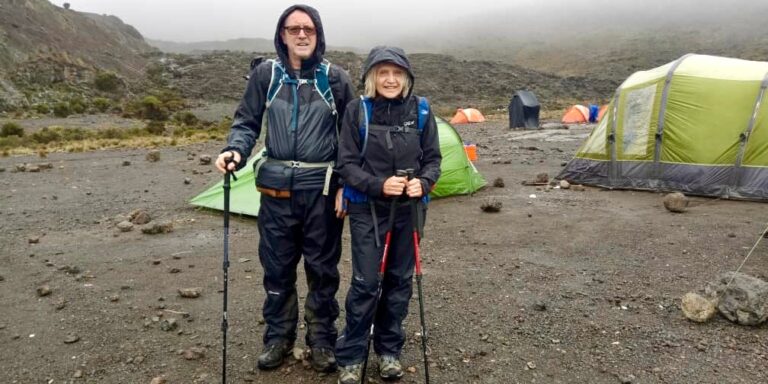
221	161
341	204
414	188
394	186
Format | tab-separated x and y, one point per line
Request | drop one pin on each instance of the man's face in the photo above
299	35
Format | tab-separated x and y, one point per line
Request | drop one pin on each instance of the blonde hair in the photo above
371	77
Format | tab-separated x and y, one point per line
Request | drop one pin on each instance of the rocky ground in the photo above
559	286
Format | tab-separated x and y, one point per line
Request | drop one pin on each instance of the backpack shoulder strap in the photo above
276	82
423	112
323	85
366	109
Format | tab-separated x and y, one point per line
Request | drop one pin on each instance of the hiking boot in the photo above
350	374
390	367
323	360
274	354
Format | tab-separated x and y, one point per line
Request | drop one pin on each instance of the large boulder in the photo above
744	300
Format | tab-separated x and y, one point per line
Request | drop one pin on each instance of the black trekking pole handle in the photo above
225	267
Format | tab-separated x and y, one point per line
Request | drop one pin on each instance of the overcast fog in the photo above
363	23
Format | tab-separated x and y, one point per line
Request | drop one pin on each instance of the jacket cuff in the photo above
243	160
376	187
426	188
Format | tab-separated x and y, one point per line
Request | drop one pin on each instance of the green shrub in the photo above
10	142
42	109
112	133
185	117
62	109
45	136
78	105
102	104
107	82
155	127
152	109
74	134
11	129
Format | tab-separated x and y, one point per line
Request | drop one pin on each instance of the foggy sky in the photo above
365	23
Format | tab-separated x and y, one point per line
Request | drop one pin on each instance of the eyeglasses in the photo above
295	30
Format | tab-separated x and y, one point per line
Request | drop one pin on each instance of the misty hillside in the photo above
601	39
241	45
448	82
42	45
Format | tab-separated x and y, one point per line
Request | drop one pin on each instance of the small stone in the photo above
498	182
153	156
34	240
194	353
190	293
578	188
540	306
125	226
205	159
731	234
491	206
158	228
174	270
676	202
542	178
698	308
298	353
44	290
126	163
530	365
156	262
78	374
33	168
169	325
411	369
61	304
140	217
158	380
564	184
71	339
187	180
114	298
629	379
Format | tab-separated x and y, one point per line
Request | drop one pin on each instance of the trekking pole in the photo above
382	268
416	220
224	323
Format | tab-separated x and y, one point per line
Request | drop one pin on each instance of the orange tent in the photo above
467	115
600	114
577	114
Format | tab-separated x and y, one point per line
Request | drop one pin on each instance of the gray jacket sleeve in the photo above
246	124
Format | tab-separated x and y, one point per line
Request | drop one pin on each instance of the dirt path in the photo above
566	287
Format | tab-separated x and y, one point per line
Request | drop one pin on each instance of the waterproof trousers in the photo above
397	285
302	225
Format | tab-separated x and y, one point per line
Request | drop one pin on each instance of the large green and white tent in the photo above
458	177
696	125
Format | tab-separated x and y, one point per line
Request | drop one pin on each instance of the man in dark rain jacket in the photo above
298	193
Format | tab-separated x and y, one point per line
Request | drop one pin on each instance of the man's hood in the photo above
282	49
384	54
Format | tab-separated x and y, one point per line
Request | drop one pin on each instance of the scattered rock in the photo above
564	184
578	188
629	379
157	228
540	306
78	374
498	182
33	168
744	301
205	159
698	308
60	304
153	156
491	206
44	290
563	163
114	298
194	353
169	325
125	226
45	166
34	240
411	369
187	180
158	380
2	169
190	293
676	202
174	270
2	278
298	353
140	217
731	234
71	339
21	167
530	365
126	163
542	178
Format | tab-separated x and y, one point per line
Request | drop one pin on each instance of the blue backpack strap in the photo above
276	82
366	105
323	85
423	112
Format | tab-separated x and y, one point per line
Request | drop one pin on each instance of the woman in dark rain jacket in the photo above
369	160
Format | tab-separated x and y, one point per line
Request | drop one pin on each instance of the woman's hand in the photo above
414	188
394	186
341	204
221	161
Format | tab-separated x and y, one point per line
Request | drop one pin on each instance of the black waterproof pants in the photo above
304	224
397	285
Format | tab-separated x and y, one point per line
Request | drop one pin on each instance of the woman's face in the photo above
389	80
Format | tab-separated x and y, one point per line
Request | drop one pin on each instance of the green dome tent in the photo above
695	125
458	177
